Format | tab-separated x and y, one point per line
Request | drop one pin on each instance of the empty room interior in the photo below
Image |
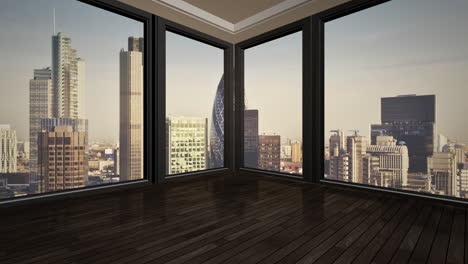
233	131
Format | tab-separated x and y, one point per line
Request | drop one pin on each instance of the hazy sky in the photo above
25	44
400	47
273	85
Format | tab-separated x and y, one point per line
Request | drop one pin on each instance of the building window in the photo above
194	105
84	92
273	105
395	90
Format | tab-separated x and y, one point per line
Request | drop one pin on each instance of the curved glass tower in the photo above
217	129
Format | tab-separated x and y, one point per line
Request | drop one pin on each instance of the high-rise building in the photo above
40	106
337	139
296	152
442	141
217	129
463	180
67	78
269	152
62	159
442	166
186	144
131	111
338	167
386	164
251	143
356	146
411	119
8	149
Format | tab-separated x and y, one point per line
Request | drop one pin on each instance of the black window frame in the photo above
304	26
148	21
163	26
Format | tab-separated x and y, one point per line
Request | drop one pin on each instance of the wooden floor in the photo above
243	219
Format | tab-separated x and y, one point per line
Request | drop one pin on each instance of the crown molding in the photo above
232	28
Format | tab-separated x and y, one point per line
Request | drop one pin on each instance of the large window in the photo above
71	104
194	105
273	105
395	97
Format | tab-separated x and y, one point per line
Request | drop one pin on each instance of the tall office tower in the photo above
356	146
269	152
8	149
442	166
62	158
217	129
338	165
463	180
187	142
411	119
337	139
40	106
296	152
68	80
136	44
251	143
386	163
286	152
131	111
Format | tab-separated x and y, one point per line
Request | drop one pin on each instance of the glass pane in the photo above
273	105
71	104
194	105
395	89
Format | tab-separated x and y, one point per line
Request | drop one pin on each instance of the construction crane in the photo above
355	131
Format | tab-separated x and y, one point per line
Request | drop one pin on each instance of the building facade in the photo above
296	152
8	149
62	159
356	146
131	111
217	129
442	166
40	106
269	152
251	143
187	140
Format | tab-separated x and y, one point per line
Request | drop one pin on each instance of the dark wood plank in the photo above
455	252
439	248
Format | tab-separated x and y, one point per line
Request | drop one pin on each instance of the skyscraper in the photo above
411	119
251	138
269	152
68	79
40	106
186	144
8	149
296	152
217	129
131	114
442	166
356	146
62	159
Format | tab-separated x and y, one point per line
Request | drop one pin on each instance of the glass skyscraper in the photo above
217	128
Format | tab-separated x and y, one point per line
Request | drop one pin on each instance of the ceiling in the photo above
234	20
234	11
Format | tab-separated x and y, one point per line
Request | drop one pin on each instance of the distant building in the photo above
62	159
217	128
187	139
442	166
40	106
337	140
386	164
411	119
269	152
296	152
338	167
442	141
8	149
131	111
418	182
356	146
286	152
251	144
463	180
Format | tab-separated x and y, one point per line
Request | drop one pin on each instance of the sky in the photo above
399	47
273	85
97	35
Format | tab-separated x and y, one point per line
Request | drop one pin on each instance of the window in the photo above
194	105
395	89
273	105
73	83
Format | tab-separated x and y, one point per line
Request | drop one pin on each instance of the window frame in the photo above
163	26
148	21
304	26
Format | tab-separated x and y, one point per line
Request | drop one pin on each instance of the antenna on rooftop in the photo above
53	15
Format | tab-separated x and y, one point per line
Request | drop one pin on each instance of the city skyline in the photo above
102	64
